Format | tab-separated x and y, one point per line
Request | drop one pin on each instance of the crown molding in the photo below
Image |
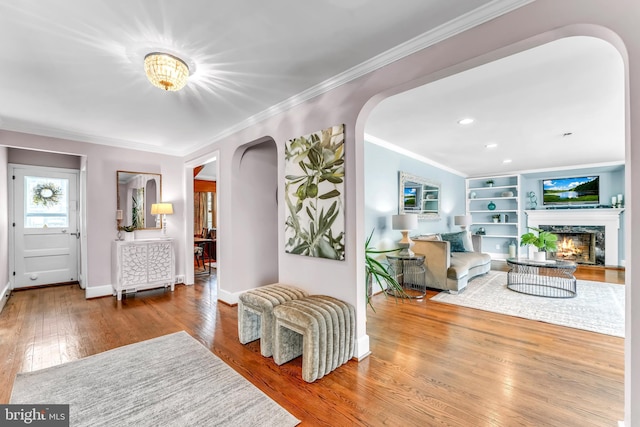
389	146
456	26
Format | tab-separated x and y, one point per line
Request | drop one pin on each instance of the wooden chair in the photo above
198	252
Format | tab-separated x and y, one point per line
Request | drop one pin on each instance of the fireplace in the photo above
579	243
603	223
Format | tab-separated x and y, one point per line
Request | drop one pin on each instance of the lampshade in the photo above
462	220
404	222
161	209
166	71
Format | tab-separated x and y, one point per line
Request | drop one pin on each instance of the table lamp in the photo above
462	220
405	223
163	209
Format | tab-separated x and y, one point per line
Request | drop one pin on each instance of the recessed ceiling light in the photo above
507	161
567	134
491	146
466	121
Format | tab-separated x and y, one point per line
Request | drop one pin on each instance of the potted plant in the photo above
545	241
489	183
128	229
376	271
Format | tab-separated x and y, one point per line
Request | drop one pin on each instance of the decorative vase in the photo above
539	256
491	206
512	250
129	236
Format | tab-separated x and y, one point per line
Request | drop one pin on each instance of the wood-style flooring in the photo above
430	364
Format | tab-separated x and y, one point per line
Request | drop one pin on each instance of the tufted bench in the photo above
255	313
318	327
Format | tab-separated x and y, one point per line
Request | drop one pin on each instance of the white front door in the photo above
45	225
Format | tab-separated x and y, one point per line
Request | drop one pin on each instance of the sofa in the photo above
452	259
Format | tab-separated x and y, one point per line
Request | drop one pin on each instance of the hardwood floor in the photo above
431	363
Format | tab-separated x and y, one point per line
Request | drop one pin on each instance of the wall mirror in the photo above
419	196
137	191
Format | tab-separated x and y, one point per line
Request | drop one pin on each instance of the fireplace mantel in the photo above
605	217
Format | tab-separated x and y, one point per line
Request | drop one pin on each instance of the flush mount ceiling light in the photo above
166	71
491	146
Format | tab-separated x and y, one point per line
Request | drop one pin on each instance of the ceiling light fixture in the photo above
166	71
491	146
507	161
466	121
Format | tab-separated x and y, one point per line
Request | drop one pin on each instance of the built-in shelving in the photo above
504	195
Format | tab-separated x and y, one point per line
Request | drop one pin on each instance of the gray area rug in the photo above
172	380
598	307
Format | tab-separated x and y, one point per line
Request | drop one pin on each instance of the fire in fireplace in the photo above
577	247
581	244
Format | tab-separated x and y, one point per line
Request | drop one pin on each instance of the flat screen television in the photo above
582	190
411	197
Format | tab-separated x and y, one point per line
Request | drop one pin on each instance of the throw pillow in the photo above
435	237
459	242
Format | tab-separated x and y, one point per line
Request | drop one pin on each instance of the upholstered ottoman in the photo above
320	328
255	313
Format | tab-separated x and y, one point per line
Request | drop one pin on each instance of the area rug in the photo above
598	307
170	380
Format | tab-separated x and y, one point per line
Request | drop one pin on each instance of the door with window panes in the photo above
45	225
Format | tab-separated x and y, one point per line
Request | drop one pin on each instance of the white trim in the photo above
4	295
362	348
389	146
98	291
230	298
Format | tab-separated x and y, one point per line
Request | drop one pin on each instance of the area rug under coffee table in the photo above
598	307
166	381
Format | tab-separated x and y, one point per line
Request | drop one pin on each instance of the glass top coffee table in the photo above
553	279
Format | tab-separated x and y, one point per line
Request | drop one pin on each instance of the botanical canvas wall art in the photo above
314	193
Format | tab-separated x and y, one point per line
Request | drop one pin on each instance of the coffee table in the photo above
553	279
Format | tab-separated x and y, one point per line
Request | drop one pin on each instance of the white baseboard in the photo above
362	348
230	298
4	295
620	423
98	291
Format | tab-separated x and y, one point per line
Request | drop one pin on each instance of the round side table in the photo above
409	272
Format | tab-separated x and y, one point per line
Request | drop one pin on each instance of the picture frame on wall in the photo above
314	194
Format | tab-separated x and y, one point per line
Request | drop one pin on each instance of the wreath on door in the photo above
47	194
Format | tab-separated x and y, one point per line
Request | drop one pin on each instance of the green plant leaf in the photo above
330	194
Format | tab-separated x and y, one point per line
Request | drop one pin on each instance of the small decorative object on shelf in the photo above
473	195
491	206
507	194
495	218
533	200
489	183
481	231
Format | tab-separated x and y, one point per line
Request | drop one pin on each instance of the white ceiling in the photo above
74	69
524	103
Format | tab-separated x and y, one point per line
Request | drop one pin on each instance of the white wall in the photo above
4	228
102	164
